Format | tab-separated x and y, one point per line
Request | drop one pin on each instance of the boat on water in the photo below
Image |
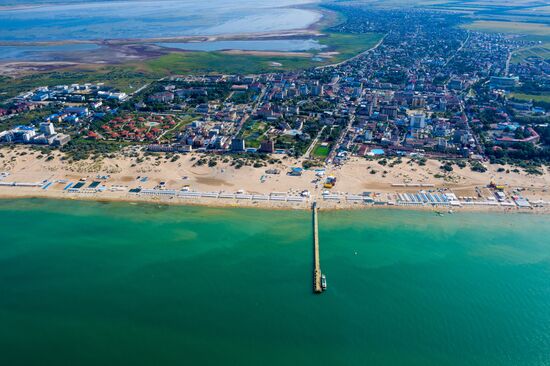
324	282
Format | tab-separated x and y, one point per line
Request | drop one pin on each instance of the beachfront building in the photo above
238	145
47	128
28	135
267	146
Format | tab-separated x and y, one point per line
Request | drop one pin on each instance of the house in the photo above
162	97
507	141
203	108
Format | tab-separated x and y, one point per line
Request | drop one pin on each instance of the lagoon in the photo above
283	45
96	20
42	52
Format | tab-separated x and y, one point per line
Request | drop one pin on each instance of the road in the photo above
343	134
507	68
307	154
254	109
146	86
140	89
178	125
354	57
459	49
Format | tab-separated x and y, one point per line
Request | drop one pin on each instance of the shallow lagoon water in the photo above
113	283
284	45
42	52
90	20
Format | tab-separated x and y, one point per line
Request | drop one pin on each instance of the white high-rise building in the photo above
47	128
418	121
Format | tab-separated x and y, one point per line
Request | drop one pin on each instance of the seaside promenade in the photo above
418	196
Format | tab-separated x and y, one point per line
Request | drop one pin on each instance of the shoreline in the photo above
313	29
270	35
124	50
26	173
263	205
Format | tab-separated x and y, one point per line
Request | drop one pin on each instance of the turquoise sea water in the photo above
85	283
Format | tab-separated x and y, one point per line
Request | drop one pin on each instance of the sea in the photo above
94	283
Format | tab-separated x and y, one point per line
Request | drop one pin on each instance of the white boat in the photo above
324	282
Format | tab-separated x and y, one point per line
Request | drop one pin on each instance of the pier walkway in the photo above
317	288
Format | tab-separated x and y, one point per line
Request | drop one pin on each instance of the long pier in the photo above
317	288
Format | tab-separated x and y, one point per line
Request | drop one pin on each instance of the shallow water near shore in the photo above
94	20
42	53
283	45
139	284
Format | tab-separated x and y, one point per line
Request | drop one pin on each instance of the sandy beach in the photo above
225	185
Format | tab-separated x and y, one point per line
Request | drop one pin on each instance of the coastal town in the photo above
425	118
275	182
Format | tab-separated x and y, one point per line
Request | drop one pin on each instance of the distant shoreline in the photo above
313	29
286	34
122	50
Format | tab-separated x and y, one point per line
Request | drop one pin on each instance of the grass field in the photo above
130	77
545	97
537	32
182	121
218	62
542	51
252	133
347	46
531	29
321	151
543	10
126	79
